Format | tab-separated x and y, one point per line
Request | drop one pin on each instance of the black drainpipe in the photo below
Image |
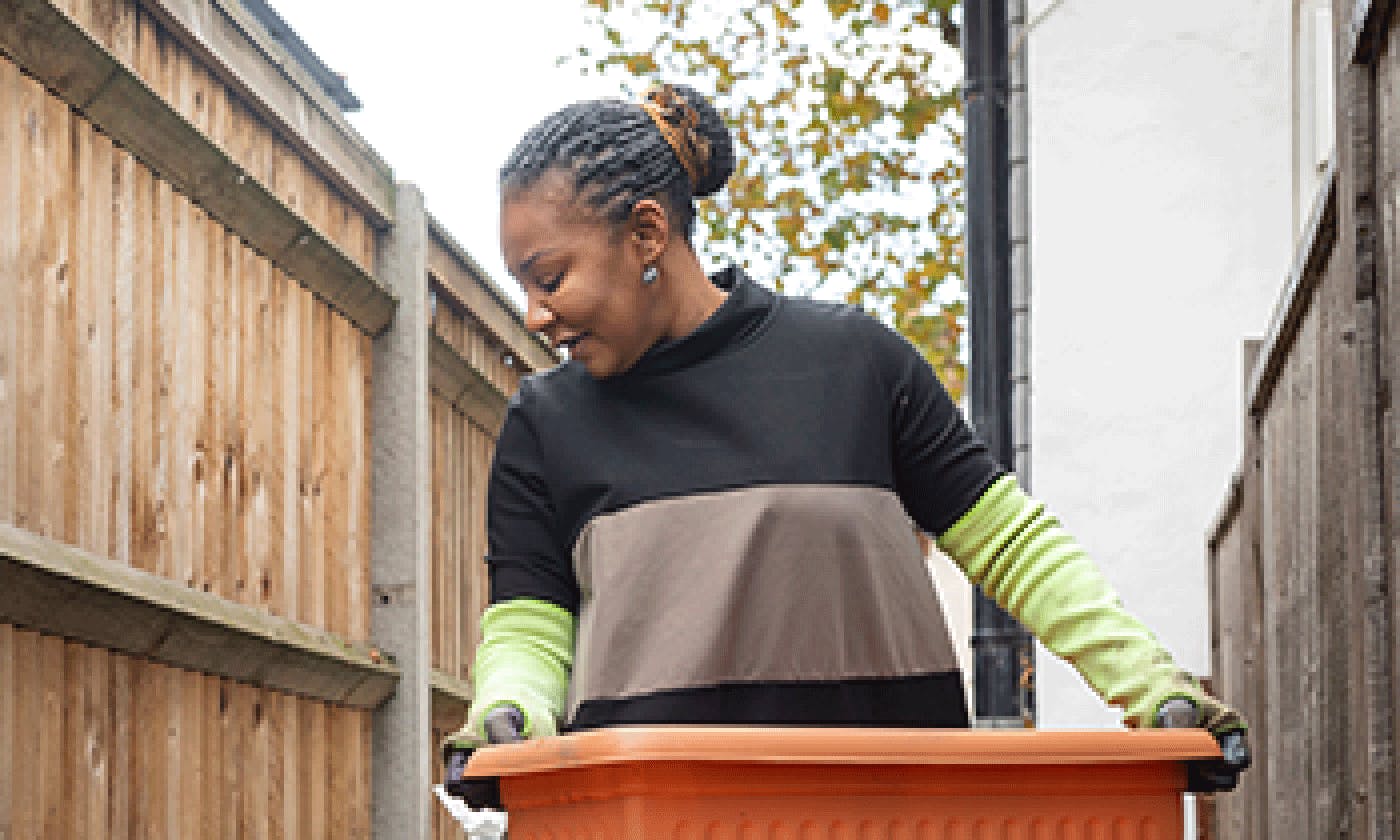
1001	648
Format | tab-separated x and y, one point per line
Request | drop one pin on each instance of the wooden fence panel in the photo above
1287	759
1388	328
168	398
171	400
466	334
1237	601
1300	526
129	31
104	745
461	460
446	720
11	315
1338	545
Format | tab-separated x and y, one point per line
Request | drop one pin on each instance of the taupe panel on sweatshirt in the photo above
761	584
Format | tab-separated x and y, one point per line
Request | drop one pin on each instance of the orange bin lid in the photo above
843	746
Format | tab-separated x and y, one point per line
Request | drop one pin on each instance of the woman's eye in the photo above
552	283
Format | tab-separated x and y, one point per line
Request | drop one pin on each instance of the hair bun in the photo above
711	126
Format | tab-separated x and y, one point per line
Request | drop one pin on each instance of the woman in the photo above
704	516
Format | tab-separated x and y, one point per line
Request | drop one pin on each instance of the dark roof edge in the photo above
331	82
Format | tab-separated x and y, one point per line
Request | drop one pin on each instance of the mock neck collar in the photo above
745	308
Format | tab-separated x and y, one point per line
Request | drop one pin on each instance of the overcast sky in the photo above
448	88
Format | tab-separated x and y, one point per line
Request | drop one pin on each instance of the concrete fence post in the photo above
401	517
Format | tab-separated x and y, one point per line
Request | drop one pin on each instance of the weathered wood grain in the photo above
123	784
135	366
11	172
1323	705
48	760
10	763
159	107
99	744
74	758
27	116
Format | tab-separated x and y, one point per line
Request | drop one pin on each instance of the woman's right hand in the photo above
503	724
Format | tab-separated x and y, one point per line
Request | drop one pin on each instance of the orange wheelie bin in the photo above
713	782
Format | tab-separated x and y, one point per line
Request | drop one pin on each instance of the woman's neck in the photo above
693	297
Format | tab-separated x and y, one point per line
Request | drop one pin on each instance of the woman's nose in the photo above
537	316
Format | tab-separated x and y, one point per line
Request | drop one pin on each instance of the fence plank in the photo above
1388	365
1256	676
121	785
1272	484
186	755
166	329
74	758
313	732
480	470
226	424
1336	468
340	786
28	690
258	413
157	779
307	558
1306	515
261	791
51	274
142	516
437	467
461	603
80	413
94	667
59	327
216	753
282	770
289	451
206	457
124	344
299	769
49	765
359	502
29	303
140	382
11	172
10	764
180	314
334	431
103	398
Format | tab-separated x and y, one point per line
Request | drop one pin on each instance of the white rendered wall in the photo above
1161	203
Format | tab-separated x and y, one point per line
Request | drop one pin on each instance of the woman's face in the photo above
581	275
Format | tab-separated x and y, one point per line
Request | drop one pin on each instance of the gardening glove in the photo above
521	678
523	662
1022	557
503	725
1225	724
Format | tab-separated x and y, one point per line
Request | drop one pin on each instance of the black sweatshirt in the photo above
730	521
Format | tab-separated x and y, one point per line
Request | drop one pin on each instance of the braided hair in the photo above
618	154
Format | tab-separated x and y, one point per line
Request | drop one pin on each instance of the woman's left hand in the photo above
1230	732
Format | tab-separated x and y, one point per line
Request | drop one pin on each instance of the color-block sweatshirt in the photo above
731	522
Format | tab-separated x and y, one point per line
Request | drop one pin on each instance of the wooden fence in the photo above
203	277
1303	558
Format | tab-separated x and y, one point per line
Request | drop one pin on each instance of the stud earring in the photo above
649	276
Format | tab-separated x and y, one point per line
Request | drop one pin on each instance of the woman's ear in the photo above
651	229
